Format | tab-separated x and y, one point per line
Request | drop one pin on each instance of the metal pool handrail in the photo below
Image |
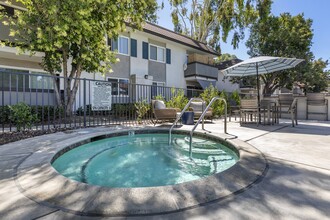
202	117
178	117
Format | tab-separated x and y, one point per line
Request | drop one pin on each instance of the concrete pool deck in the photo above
296	185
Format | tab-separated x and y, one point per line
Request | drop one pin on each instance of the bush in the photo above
4	114
21	116
123	110
235	97
178	100
142	108
80	110
159	97
54	112
209	93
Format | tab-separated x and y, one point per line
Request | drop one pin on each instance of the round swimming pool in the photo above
144	159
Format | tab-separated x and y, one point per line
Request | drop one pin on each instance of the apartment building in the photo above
153	56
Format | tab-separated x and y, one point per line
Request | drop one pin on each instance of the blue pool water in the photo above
144	160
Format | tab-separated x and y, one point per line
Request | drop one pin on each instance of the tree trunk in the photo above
57	92
73	92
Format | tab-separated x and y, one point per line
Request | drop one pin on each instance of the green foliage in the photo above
316	79
235	97
178	100
159	97
142	108
210	21
4	114
80	111
122	110
283	36
55	112
208	94
2	15
225	57
22	116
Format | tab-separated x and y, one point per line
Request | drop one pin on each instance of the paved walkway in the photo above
296	186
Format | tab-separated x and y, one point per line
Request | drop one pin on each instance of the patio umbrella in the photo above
261	65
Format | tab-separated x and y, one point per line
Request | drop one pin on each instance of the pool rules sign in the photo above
101	96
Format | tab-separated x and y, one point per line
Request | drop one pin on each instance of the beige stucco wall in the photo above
21	63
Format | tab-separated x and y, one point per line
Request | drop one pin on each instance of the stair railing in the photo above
202	118
179	117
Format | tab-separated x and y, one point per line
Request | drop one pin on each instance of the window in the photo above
160	54
158	88
120	44
123	45
153	52
119	86
13	80
41	82
157	53
18	80
10	11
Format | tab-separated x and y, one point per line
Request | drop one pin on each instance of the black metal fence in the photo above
95	103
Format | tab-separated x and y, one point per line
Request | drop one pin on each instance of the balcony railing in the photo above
197	58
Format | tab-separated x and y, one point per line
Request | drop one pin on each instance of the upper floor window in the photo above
157	53
123	45
120	44
10	11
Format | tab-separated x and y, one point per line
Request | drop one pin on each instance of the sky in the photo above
317	10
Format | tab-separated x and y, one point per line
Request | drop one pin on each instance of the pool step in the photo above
215	162
198	146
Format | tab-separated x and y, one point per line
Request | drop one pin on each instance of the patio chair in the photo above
293	111
161	113
284	102
234	109
316	99
198	109
290	106
249	111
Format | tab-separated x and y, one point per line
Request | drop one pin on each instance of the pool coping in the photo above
39	181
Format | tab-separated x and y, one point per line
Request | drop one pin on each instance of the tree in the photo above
210	21
316	79
2	15
225	57
72	34
283	36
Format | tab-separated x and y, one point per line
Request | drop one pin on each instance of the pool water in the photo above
144	160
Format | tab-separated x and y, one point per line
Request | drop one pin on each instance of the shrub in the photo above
159	97
142	107
122	110
178	100
4	114
209	93
235	97
55	112
21	116
80	110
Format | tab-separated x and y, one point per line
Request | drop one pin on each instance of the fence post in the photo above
84	102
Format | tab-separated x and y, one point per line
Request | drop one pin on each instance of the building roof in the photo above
178	38
229	63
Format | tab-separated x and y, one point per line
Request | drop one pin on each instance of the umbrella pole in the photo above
258	93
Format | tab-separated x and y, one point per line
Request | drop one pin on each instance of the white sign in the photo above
101	96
